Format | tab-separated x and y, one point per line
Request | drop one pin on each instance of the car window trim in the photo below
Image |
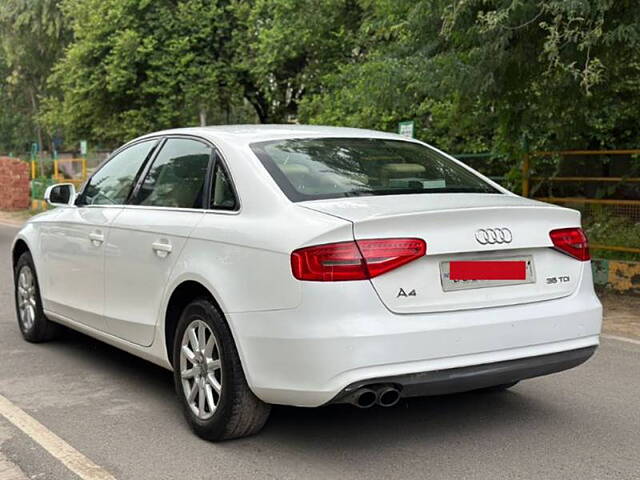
145	170
206	195
220	158
208	189
217	156
81	197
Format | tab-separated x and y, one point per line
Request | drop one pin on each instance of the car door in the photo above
147	237
74	244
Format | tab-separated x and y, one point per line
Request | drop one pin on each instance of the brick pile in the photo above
14	184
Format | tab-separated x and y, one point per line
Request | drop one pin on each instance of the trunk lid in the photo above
448	223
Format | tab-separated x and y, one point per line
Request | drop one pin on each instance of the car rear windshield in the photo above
319	168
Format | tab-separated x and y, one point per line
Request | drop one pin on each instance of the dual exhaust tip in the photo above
383	395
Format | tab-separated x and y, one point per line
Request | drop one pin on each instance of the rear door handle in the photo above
97	238
162	249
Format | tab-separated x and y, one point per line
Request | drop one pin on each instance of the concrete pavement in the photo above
121	413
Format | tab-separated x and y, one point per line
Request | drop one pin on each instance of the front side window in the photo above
112	184
177	177
317	168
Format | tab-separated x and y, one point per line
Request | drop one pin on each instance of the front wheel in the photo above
34	325
209	380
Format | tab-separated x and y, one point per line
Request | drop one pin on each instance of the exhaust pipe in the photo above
363	398
388	396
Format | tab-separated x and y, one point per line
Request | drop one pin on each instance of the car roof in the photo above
258	133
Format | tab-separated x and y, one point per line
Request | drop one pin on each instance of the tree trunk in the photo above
258	102
203	117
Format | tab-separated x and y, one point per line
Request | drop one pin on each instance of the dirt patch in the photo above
17	217
621	314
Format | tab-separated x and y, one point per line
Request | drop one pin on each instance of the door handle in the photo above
97	238
162	249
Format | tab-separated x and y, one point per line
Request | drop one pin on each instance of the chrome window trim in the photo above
161	138
157	138
100	206
216	155
179	209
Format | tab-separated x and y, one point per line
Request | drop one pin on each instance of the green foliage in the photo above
32	39
137	65
475	75
284	48
480	74
15	123
606	229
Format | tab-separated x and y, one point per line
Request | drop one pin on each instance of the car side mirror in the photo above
60	195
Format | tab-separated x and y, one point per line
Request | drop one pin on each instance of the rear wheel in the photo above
34	325
209	380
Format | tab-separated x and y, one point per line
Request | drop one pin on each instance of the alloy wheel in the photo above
200	369
27	297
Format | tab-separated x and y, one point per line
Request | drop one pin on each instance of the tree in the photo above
283	49
32	38
141	65
486	73
15	118
476	75
138	65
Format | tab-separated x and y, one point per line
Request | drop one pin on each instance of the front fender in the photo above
27	236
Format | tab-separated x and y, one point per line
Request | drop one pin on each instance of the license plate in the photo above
480	273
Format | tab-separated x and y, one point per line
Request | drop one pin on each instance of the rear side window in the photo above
222	196
177	176
113	182
317	168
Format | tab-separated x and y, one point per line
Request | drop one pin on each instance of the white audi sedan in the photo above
306	266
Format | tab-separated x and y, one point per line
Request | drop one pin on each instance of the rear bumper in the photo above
341	334
453	380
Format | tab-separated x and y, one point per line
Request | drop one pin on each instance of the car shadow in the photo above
109	359
329	429
425	418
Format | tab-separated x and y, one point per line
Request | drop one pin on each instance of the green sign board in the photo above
406	128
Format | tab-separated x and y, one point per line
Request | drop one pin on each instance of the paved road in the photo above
121	413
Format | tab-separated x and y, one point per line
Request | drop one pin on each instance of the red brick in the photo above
14	183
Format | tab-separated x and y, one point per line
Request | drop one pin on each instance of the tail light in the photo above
358	260
571	241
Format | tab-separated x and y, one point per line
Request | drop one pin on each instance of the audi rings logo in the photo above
485	236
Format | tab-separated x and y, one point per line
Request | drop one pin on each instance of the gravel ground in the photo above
621	314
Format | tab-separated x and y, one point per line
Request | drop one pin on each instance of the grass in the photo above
606	229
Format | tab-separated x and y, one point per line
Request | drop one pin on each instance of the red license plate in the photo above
488	270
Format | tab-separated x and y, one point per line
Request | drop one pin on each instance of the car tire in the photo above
498	388
34	325
223	407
